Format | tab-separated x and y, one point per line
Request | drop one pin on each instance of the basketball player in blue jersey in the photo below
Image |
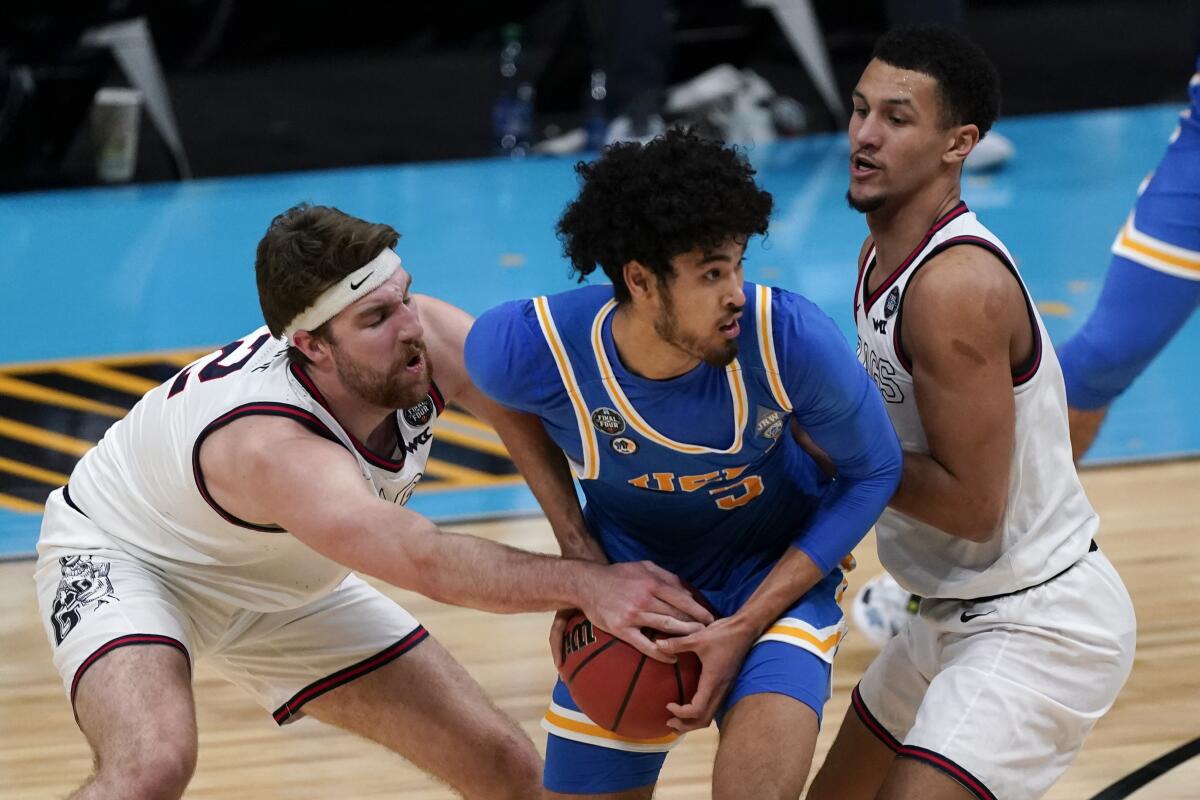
1152	285
223	516
1025	633
678	394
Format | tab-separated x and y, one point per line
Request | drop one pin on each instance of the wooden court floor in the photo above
1150	531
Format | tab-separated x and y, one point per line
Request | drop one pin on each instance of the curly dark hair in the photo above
652	202
968	84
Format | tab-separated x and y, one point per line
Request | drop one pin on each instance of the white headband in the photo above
363	280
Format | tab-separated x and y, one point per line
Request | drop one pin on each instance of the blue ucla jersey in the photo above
700	473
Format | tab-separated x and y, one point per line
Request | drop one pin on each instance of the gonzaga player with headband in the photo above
677	393
1025	634
223	515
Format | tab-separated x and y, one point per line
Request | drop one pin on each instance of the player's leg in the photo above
381	676
766	748
1017	688
883	707
121	646
426	707
585	760
135	707
770	718
1151	288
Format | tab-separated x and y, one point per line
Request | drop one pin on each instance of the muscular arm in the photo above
965	318
271	470
538	458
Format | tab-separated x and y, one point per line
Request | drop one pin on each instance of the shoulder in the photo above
799	322
964	281
507	356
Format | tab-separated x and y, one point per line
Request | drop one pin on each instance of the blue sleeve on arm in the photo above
838	405
503	354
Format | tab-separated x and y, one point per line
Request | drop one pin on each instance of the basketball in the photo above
618	687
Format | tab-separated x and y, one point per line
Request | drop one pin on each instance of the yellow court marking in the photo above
111	378
450	486
29	471
446	434
463	476
180	357
15	387
54	441
467	421
17	504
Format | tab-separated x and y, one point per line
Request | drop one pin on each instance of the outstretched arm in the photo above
271	470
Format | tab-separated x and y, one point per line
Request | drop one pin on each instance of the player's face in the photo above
378	348
896	137
702	303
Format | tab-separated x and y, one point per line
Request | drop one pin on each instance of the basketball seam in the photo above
595	653
629	693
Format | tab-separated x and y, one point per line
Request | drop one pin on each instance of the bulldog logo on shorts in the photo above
84	583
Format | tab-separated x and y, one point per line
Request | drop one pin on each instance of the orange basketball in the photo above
618	687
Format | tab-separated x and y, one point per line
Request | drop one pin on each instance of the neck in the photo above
897	228
642	351
360	419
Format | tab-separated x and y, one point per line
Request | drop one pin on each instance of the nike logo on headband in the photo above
354	286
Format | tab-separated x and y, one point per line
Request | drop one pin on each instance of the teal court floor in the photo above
106	291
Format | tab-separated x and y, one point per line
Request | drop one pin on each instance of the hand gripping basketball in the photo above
618	687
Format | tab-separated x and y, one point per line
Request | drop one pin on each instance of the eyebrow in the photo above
892	101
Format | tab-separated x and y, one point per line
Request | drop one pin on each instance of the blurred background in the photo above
268	86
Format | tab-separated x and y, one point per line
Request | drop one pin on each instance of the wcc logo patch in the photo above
892	303
419	414
769	423
608	421
84	584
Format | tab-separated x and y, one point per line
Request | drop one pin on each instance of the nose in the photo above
736	297
409	328
864	132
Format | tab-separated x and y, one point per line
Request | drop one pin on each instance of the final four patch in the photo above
419	414
892	302
769	422
608	421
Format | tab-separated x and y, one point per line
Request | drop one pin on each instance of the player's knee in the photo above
155	769
516	770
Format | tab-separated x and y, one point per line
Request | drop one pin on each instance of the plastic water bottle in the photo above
512	112
595	119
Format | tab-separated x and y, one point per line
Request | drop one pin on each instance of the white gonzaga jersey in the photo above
1049	523
142	484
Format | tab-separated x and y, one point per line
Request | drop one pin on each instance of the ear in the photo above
315	348
640	280
963	139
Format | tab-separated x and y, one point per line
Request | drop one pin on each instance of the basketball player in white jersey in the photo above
223	516
1025	634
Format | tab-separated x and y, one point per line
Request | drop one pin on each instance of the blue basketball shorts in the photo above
793	658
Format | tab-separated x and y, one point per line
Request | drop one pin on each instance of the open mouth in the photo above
730	329
415	363
861	165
